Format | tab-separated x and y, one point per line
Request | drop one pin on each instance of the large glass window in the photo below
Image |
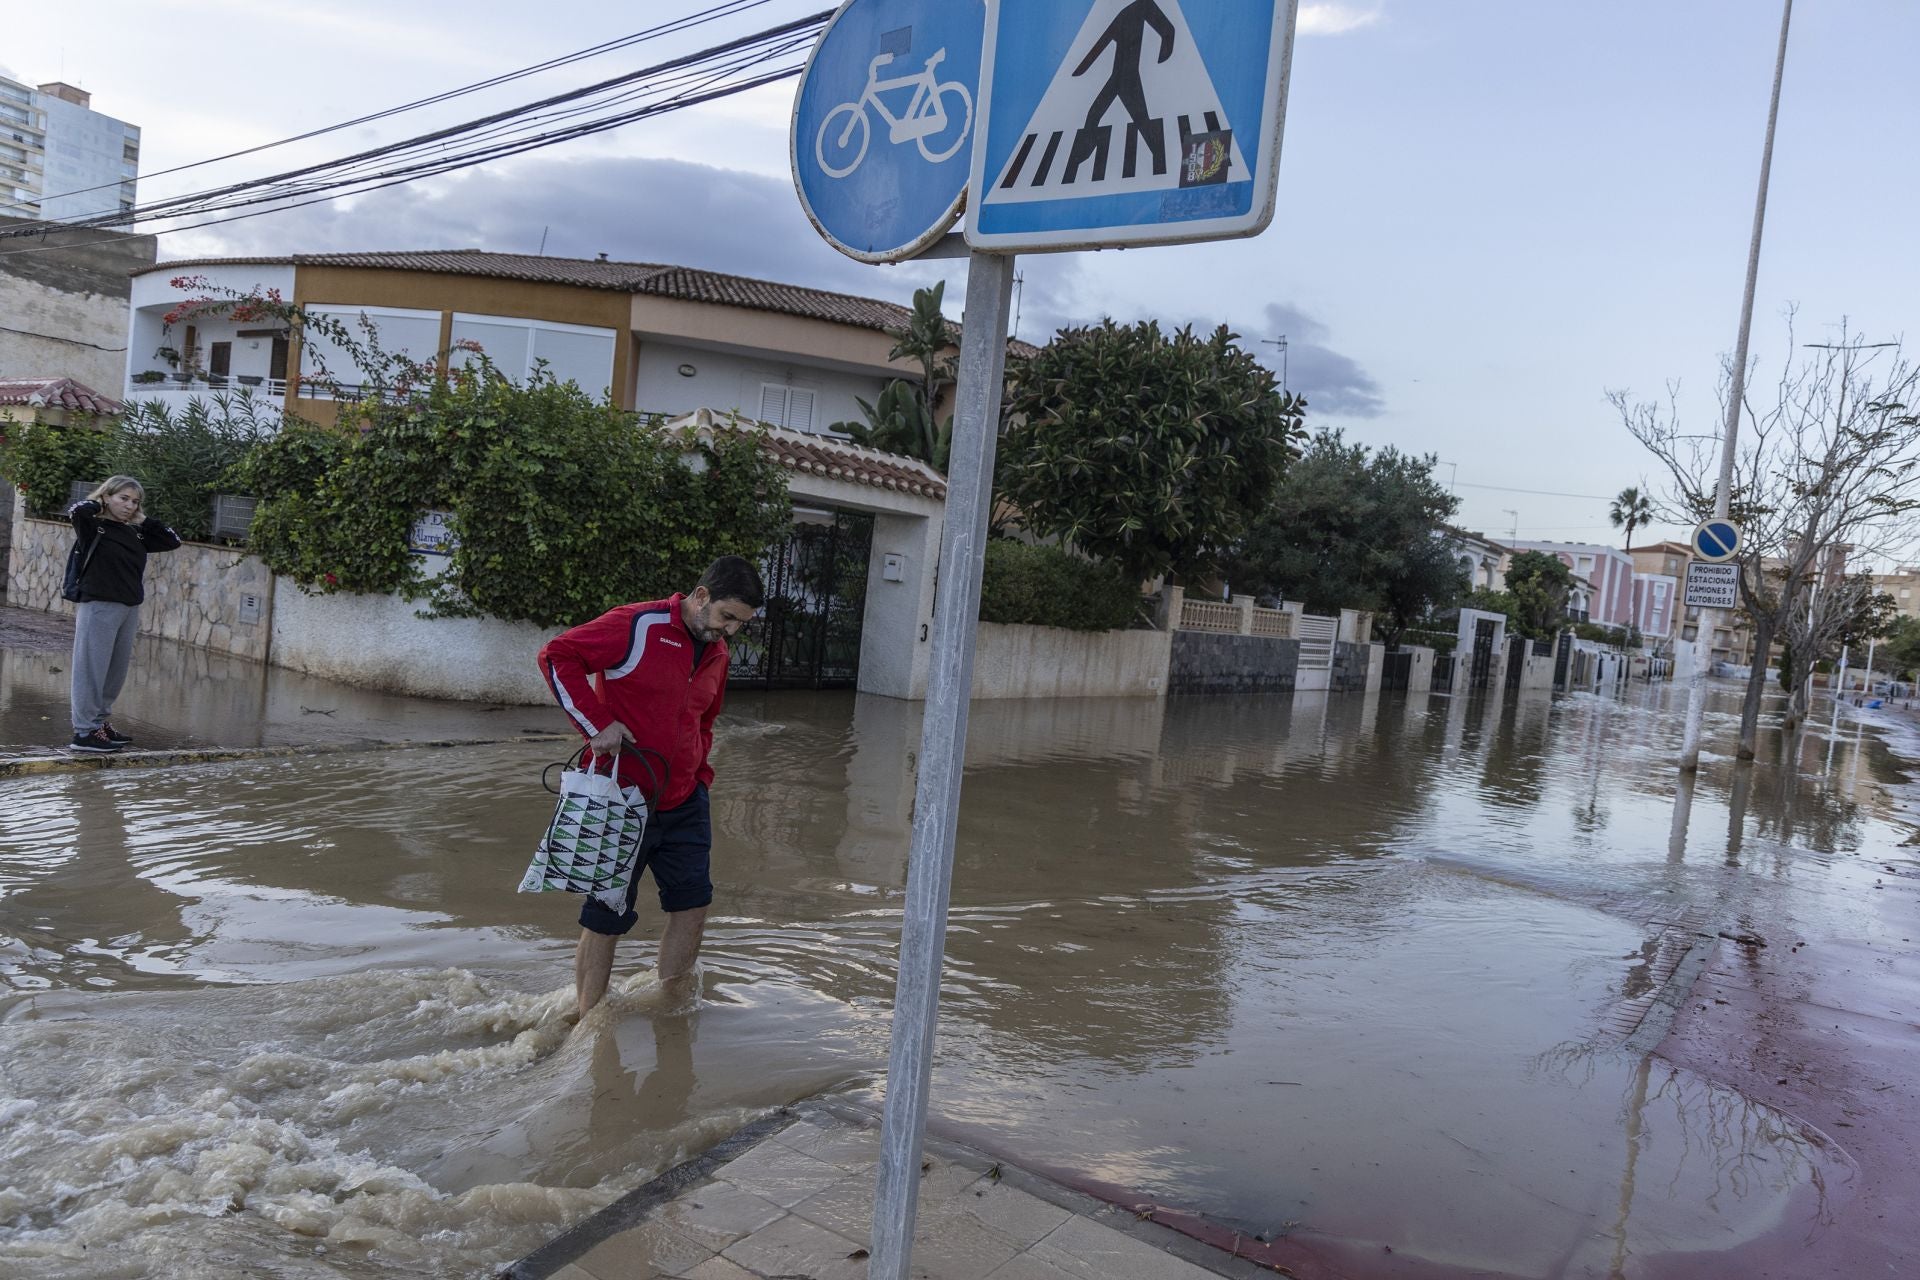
414	334
580	354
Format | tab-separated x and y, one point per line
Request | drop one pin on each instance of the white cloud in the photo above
1332	18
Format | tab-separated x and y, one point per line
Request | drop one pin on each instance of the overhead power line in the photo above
732	67
1543	493
726	10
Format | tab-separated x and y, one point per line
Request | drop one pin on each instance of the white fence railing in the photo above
1209	615
1274	623
1237	618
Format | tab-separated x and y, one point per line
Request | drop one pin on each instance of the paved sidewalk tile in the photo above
780	1174
796	1199
1090	1251
718	1214
795	1247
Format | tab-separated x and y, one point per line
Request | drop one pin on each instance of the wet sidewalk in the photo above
792	1196
182	700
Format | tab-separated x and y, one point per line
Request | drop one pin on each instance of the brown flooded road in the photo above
1367	972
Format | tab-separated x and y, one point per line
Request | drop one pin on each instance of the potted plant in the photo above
169	354
147	377
249	379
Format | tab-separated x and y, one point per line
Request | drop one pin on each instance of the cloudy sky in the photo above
1491	211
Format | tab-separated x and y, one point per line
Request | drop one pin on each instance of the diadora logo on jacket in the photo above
670	640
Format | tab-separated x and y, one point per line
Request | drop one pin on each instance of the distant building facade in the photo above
1659	575
63	302
1903	584
1607	574
1480	557
654	338
60	160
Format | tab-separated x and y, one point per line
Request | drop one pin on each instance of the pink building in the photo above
1608	572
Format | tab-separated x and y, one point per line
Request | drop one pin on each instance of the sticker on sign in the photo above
1712	586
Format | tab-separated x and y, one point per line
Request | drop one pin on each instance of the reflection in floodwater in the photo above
1372	971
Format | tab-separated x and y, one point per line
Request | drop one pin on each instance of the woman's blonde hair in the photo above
114	485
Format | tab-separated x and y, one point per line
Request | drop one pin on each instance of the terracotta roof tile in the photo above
57	393
831	458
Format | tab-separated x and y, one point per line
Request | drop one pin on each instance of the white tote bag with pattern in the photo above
594	839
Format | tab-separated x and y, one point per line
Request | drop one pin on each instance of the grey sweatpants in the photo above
103	635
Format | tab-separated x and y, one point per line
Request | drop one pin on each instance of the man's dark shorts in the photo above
677	849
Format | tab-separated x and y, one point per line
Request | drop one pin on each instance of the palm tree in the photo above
1632	509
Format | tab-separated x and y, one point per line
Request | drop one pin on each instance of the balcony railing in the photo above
206	385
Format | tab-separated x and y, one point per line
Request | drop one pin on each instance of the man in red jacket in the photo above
655	674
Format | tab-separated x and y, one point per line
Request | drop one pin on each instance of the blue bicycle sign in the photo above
846	132
883	124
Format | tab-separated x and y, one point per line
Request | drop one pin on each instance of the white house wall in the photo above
726	381
152	297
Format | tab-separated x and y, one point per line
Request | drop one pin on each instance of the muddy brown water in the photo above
1377	972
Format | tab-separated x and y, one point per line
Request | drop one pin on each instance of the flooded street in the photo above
1378	971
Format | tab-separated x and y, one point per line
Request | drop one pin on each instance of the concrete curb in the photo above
30	766
633	1208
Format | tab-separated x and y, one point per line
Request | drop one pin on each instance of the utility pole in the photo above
1515	535
1723	492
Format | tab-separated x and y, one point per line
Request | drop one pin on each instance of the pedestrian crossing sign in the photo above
1126	122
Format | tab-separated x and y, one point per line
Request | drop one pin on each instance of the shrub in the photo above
1046	587
181	459
561	505
42	461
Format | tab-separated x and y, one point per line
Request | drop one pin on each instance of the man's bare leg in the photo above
592	968
680	945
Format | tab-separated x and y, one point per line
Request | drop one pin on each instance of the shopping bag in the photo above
593	841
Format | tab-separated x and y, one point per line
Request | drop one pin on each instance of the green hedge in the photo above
43	461
1046	587
560	504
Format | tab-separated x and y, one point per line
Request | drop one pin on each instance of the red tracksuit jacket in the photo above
635	664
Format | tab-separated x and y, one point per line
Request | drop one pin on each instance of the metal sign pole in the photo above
943	742
1723	492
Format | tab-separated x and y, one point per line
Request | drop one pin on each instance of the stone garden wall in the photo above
218	598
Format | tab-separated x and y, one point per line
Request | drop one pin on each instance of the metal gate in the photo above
1482	652
808	636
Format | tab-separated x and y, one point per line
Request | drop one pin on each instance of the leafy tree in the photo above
904	418
1147	450
1540	585
1902	647
1631	509
1350	528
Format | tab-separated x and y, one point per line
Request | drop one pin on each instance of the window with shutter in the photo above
799	409
773	404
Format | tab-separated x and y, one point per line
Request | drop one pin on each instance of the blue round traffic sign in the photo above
1716	540
883	124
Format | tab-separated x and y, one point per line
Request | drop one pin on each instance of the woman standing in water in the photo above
114	539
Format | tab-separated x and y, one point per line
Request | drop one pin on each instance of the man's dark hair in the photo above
734	578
